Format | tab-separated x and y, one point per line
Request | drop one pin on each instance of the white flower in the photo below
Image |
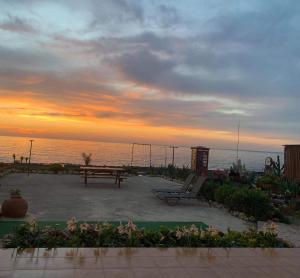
127	229
178	234
84	227
131	226
202	233
121	229
194	230
98	228
271	228
212	231
72	224
33	225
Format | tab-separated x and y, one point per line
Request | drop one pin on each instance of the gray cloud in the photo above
168	16
16	24
28	59
243	53
112	13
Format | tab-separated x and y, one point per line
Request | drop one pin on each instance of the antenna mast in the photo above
238	142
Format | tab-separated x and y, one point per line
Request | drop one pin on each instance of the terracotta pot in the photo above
15	207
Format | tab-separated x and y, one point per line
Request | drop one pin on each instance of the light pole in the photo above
238	141
166	155
150	154
173	154
132	149
30	150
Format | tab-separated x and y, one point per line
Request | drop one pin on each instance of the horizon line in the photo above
152	144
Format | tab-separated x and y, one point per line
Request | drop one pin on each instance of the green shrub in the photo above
270	182
279	215
55	168
238	200
208	190
254	203
269	179
223	194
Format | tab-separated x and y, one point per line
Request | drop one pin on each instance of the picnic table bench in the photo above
116	173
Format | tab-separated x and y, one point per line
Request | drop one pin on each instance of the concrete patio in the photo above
59	197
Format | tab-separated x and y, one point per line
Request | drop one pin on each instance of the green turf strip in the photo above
7	226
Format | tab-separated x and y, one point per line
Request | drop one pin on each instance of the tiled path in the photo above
150	262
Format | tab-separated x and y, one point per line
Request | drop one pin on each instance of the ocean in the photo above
104	153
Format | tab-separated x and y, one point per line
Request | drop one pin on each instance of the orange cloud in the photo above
27	114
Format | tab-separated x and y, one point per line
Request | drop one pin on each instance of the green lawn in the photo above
7	227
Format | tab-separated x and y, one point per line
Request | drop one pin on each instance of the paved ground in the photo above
59	197
150	262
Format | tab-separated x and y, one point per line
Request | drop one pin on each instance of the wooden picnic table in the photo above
116	173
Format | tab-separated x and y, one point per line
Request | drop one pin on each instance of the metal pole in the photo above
165	157
132	148
30	150
173	154
238	142
150	155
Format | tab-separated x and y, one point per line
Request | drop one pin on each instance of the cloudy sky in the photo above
175	72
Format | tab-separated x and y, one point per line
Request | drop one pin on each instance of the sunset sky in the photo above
171	72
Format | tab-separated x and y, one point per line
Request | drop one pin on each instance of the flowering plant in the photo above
107	235
72	225
271	228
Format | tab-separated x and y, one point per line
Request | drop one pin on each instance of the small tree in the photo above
277	168
26	159
21	159
14	158
87	158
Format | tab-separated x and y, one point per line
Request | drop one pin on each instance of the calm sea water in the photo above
103	153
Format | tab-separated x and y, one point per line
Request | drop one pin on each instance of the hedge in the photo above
252	202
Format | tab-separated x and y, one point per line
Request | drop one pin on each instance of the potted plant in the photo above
16	206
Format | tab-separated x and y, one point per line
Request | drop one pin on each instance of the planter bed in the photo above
78	234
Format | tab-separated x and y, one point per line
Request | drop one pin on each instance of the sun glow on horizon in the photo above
28	116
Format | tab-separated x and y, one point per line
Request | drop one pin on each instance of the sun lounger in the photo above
184	187
172	198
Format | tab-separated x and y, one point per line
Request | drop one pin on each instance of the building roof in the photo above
200	147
